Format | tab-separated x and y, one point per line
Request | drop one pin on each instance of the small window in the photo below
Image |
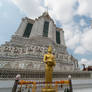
28	30
45	30
58	37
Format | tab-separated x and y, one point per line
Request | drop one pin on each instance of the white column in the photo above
62	41
52	31
37	29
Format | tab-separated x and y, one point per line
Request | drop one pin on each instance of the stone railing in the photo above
28	74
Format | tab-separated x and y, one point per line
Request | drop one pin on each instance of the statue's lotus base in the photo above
48	90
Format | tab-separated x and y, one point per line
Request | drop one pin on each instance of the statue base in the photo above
48	90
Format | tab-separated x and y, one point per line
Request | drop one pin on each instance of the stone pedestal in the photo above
48	89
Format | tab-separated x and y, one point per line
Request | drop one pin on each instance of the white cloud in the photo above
32	8
72	35
62	10
79	50
86	40
85	7
82	22
86	62
85	43
79	41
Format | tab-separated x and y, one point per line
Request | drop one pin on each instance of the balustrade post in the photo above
16	83
70	83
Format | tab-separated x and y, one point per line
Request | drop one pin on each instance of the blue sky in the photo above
72	15
10	18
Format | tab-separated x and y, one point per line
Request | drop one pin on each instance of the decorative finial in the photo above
18	76
46	6
50	49
69	76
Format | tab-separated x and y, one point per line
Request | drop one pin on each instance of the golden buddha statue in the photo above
50	62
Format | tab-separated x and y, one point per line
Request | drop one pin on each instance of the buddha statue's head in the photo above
50	49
